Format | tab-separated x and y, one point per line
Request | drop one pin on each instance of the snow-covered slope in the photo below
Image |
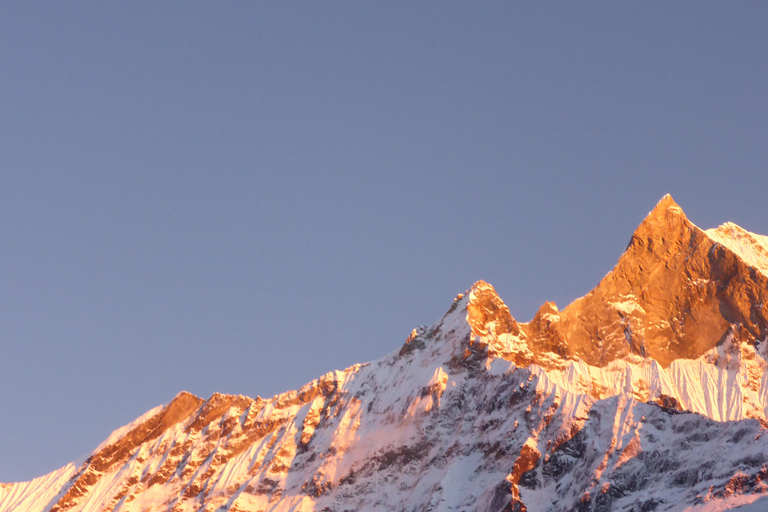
38	494
480	412
750	247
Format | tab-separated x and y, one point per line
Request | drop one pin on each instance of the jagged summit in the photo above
649	393
665	223
681	306
676	293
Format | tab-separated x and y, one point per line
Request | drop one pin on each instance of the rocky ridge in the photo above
677	292
649	393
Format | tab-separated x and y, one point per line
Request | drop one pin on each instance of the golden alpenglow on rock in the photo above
675	293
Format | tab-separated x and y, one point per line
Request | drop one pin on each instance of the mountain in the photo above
647	394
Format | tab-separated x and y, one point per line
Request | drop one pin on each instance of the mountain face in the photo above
647	394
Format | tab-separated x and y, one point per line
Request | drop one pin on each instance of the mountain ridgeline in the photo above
647	394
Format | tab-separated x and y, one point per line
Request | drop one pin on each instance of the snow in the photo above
759	505
750	247
35	495
742	503
628	306
720	393
120	432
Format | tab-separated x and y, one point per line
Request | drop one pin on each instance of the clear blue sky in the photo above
241	196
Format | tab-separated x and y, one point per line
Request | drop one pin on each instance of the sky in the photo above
239	197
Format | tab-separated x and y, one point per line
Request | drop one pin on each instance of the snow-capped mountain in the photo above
647	394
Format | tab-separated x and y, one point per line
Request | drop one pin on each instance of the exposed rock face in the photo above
649	393
675	293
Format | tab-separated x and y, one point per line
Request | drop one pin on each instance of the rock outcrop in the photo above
677	292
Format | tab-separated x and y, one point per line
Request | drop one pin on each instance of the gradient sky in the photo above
238	197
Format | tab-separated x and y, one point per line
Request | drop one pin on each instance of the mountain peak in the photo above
487	313
676	293
662	227
666	203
